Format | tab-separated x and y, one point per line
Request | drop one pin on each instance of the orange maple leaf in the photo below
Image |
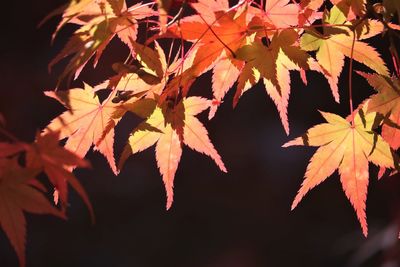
348	148
224	35
226	69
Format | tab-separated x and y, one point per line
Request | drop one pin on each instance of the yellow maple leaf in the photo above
169	128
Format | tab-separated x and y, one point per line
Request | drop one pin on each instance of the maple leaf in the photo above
213	43
16	197
84	123
272	63
216	34
226	34
279	13
226	69
334	45
387	103
94	35
348	148
170	127
56	162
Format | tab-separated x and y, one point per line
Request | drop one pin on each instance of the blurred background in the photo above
238	219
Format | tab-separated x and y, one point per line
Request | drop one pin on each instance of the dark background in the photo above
239	219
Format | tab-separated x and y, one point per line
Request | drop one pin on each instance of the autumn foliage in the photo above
242	44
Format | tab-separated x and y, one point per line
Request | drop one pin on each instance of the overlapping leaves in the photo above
100	21
244	44
20	191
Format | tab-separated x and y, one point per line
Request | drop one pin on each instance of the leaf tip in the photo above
362	73
286	127
287	144
293	142
295	203
169	204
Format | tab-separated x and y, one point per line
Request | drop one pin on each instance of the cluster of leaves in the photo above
241	44
20	189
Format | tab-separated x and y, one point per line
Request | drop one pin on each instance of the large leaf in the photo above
170	128
348	148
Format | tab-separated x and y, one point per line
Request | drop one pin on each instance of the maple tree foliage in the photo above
20	191
242	44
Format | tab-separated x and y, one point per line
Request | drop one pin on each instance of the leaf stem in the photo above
353	29
351	79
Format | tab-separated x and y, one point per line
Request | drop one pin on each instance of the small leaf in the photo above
84	124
